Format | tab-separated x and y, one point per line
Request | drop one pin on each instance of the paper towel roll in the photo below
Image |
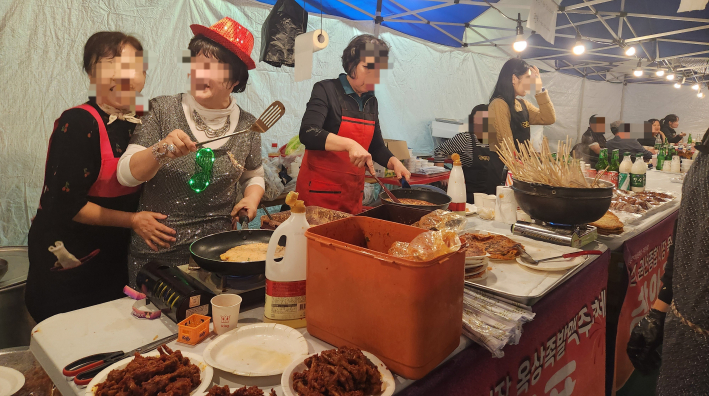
305	45
506	205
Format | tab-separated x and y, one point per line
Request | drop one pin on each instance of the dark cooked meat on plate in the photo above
338	372
243	391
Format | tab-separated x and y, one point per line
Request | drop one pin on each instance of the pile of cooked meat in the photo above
338	372
499	247
243	391
169	374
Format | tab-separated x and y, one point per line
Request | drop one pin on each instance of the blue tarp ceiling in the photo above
685	50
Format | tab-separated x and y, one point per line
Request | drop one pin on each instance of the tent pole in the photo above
580	112
378	18
622	101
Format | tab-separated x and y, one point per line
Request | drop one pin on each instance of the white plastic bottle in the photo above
637	174
624	172
285	279
456	187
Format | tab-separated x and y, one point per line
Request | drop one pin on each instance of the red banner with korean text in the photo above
645	257
561	352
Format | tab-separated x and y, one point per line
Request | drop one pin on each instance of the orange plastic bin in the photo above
407	313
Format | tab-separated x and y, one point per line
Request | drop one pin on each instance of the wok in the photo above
563	205
440	200
206	251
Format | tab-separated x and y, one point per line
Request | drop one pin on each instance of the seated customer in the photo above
653	134
592	141
669	123
481	166
622	141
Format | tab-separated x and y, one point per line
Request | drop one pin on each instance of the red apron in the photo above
106	184
327	178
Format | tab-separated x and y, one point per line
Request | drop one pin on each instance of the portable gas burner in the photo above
560	234
251	288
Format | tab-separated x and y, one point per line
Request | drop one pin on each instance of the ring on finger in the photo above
171	148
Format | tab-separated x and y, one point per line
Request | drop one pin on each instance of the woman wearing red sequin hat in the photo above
164	158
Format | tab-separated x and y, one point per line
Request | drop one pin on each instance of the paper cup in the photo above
225	312
479	199
490	202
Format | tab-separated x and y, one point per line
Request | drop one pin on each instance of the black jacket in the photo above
323	115
671	134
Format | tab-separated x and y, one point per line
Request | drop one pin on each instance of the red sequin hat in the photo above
232	36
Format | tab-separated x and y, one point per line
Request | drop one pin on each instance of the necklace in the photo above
203	127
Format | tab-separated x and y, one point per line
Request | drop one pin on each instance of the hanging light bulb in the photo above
579	48
670	76
695	87
700	94
678	85
630	51
639	71
660	72
520	43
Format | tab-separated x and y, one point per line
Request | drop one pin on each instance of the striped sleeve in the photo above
461	144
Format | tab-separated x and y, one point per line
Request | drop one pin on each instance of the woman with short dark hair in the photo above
197	190
511	117
341	132
78	242
668	125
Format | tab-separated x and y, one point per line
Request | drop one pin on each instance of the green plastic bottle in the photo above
689	139
602	163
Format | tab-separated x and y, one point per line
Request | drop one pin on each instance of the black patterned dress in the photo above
685	352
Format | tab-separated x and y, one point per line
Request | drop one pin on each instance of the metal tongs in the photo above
529	260
270	116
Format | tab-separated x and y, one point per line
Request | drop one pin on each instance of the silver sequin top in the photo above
192	215
690	284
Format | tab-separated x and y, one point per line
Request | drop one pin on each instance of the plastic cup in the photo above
479	199
490	202
225	312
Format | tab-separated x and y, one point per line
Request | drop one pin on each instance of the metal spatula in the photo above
270	116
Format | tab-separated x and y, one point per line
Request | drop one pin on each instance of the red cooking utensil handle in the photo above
81	369
583	253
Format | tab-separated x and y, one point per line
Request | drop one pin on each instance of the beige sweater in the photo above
499	114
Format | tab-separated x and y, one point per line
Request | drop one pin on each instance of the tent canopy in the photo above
661	36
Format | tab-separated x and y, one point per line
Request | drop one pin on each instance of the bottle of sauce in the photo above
624	172
456	187
614	168
285	278
274	153
637	174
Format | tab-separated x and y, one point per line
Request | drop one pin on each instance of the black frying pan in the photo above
206	251
440	200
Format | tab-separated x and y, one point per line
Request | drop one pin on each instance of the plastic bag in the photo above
443	220
371	194
274	186
286	20
294	145
427	246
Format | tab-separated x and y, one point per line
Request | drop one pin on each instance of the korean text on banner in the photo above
645	258
542	18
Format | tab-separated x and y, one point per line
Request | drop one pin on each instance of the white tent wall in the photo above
642	102
40	62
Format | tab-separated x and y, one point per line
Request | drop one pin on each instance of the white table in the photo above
110	327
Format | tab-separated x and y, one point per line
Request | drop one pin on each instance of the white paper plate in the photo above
205	374
470	209
256	350
11	381
483	277
552	265
298	366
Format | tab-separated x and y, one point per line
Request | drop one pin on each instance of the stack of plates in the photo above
476	267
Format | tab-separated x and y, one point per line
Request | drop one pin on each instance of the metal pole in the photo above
578	115
377	18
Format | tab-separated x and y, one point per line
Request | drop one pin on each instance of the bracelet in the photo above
160	153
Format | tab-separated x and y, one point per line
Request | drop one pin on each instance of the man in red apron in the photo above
341	133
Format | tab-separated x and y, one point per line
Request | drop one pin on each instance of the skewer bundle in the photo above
529	165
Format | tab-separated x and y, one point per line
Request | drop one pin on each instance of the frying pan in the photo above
440	200
206	251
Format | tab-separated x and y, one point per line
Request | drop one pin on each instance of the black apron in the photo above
485	174
520	131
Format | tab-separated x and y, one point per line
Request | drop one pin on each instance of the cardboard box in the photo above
399	148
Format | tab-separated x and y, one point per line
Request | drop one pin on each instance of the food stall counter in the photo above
108	327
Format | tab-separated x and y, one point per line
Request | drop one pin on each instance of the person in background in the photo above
199	200
621	141
592	141
341	132
668	125
510	116
654	134
78	242
481	166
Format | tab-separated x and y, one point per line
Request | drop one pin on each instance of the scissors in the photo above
86	368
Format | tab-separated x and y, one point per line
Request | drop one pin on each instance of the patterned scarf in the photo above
116	114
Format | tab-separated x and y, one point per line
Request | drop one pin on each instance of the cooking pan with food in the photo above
563	205
206	251
436	199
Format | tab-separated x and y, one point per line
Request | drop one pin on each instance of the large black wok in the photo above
206	251
563	205
440	200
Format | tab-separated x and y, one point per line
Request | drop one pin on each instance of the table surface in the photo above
64	338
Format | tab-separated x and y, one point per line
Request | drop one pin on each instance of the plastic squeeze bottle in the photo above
456	186
624	172
285	278
637	174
